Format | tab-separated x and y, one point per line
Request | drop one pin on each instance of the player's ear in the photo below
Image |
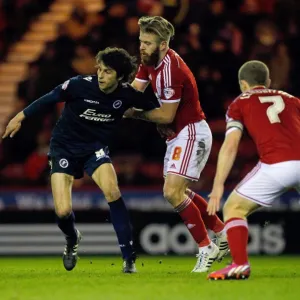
163	46
268	83
242	85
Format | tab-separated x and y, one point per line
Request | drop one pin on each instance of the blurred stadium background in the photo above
45	42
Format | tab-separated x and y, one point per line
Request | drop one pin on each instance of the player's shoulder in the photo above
173	58
284	94
85	78
126	86
80	79
128	89
239	99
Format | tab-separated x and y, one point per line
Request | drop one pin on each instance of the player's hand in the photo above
165	131
14	125
215	198
128	113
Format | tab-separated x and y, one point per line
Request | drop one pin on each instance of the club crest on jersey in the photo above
168	92
117	104
63	163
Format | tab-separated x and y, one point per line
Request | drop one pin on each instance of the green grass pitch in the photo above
159	278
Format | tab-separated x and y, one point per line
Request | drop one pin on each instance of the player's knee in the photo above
173	195
112	193
63	211
233	209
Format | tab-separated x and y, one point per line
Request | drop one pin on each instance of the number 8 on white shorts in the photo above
187	153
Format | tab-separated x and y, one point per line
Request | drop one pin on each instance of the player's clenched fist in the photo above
14	125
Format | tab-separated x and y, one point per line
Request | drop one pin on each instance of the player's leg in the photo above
61	189
106	178
235	211
260	187
185	158
174	191
213	223
197	162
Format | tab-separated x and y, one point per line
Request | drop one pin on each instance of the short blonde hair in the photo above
159	26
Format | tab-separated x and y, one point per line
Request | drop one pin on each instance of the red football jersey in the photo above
272	119
172	81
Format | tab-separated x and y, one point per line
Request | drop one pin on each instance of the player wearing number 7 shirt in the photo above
272	119
189	147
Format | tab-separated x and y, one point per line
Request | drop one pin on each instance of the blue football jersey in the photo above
90	116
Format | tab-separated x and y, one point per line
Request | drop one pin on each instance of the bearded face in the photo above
150	59
149	49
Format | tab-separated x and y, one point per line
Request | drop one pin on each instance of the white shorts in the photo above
187	154
265	183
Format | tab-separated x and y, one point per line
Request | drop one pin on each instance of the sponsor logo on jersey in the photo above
65	85
169	92
117	104
91	101
63	163
173	166
92	115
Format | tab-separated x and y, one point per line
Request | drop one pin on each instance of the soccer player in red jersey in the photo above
272	119
189	145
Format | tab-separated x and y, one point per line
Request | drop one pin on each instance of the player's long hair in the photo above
119	60
159	26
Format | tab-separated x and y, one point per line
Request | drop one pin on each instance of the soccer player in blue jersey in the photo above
94	106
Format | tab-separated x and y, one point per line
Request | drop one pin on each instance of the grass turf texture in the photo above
159	278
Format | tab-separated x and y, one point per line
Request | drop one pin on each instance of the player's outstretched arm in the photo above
14	125
49	99
226	159
44	102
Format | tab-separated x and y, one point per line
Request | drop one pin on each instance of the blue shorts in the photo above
75	166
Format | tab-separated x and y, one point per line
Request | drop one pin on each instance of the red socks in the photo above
191	217
212	222
237	235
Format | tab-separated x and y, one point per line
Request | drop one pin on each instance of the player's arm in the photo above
226	159
42	103
140	85
141	80
163	115
170	98
227	154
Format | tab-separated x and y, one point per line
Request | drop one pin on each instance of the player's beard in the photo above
152	59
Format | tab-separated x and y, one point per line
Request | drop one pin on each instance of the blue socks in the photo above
67	226
120	219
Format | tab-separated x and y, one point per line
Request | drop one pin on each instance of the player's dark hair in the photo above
119	60
254	72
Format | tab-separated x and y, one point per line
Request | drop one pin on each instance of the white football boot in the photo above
222	243
205	258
